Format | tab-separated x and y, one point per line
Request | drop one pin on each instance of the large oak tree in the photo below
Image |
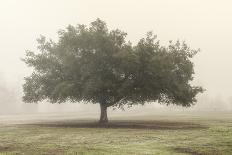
94	64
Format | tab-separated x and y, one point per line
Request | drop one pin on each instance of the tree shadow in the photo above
116	124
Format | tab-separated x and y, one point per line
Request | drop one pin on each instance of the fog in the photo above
202	24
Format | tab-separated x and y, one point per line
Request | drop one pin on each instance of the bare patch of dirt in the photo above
192	152
4	148
158	125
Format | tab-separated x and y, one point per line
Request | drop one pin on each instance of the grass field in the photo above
196	134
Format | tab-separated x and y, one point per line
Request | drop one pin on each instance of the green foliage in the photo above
97	65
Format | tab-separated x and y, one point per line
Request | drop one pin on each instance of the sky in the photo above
202	24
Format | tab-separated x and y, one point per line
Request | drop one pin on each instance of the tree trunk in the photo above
103	117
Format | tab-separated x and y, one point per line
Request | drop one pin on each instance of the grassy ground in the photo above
196	134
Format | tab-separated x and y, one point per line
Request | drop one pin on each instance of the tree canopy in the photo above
97	65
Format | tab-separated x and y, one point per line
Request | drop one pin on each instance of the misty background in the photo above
202	24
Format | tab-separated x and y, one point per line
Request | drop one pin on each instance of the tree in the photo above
93	64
